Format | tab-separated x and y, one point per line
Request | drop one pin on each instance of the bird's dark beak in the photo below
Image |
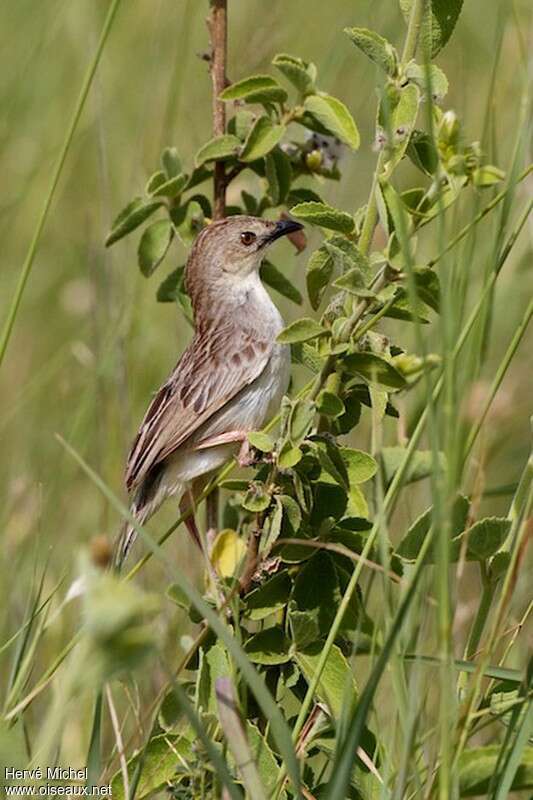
282	228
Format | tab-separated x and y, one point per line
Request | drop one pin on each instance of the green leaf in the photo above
218	149
336	687
397	118
158	761
487	175
279	175
325	216
354	283
228	552
289	456
438	24
263	137
434	75
261	441
272	276
412	542
130	218
329	404
270	646
334	116
301	419
316	591
154	245
267	766
477	766
188	221
420	466
304	627
172	290
255	89
214	664
422	152
170	161
374	369
346	255
171	188
301	74
232	726
486	537
318	275
359	465
270	597
154	181
376	47
257	498
302	330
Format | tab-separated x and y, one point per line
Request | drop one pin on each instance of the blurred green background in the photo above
91	343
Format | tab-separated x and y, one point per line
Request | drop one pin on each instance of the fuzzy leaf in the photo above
256	498
329	404
335	117
420	466
336	687
262	138
302	330
256	89
171	188
130	218
486	537
422	152
376	47
228	552
354	283
279	175
170	161
436	77
270	646
325	216
218	149
440	20
316	591
261	441
301	419
272	276
359	465
410	545
319	272
477	766
375	369
158	765
270	597
301	74
154	245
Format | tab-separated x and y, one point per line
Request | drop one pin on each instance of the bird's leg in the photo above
244	458
188	503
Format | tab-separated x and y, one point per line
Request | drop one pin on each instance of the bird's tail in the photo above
127	535
148	498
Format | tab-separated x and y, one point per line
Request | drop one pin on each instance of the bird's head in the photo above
233	248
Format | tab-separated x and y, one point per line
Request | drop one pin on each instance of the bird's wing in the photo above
213	369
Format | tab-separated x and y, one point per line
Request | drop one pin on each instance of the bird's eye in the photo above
247	238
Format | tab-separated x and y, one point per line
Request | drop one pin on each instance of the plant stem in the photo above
500	374
217	23
32	250
481	615
413	30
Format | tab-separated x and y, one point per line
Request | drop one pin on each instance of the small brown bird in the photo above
229	380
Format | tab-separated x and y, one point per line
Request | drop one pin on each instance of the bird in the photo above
228	382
